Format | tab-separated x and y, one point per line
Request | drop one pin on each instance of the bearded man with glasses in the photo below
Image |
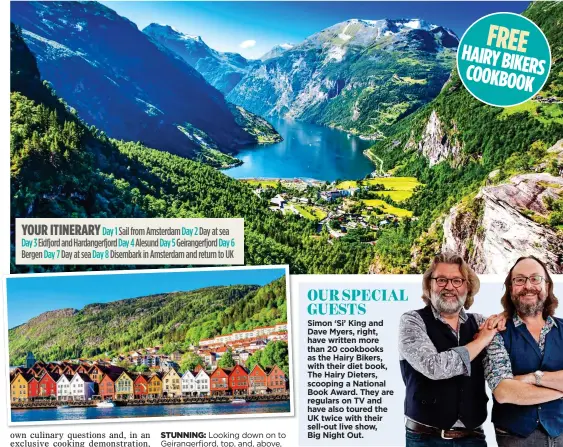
441	350
524	364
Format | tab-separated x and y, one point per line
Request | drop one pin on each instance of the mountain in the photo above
61	167
361	76
492	176
119	326
125	84
276	51
222	70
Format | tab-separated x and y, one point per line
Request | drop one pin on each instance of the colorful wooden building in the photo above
48	385
203	382
63	387
106	388
32	388
257	381
188	384
124	386
155	386
171	384
141	387
219	382
276	380
82	387
19	387
238	380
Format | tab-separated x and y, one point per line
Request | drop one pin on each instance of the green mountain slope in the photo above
119	326
453	144
62	168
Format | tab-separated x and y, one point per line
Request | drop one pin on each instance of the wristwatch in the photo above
538	375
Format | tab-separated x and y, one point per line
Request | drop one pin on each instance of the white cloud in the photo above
247	44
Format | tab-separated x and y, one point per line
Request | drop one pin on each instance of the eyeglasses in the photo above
443	282
535	280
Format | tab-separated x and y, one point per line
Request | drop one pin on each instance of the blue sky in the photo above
31	296
225	25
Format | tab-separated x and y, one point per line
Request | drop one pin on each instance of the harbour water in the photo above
81	413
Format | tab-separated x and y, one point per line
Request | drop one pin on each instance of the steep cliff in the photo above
505	222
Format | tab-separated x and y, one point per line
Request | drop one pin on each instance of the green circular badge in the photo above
503	59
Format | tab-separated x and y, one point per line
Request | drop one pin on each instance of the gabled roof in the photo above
188	372
84	377
112	376
227	371
202	371
170	371
67	376
259	367
239	367
26	376
157	375
127	374
143	377
54	376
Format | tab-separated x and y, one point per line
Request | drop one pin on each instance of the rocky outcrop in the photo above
505	222
435	144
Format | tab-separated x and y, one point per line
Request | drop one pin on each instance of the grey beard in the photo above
529	309
445	306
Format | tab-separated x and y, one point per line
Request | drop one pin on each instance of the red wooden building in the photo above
48	385
276	380
32	388
257	381
219	382
141	387
238	380
107	386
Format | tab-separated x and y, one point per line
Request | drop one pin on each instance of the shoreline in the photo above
150	402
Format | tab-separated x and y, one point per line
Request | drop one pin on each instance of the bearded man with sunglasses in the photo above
441	350
524	364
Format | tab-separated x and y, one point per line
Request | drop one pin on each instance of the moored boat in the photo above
106	404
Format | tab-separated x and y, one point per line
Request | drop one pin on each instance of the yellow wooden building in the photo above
19	388
172	384
124	387
155	386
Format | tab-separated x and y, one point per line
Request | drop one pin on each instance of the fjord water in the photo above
68	414
307	151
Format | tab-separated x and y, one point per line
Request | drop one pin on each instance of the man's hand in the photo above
495	321
482	339
485	335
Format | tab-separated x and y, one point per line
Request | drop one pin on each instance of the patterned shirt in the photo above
497	361
416	347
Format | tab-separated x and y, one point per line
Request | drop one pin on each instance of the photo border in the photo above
290	413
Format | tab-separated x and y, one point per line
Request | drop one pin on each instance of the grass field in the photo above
388	209
263	183
310	212
547	112
396	196
398	188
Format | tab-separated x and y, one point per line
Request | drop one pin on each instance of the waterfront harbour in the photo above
142	411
